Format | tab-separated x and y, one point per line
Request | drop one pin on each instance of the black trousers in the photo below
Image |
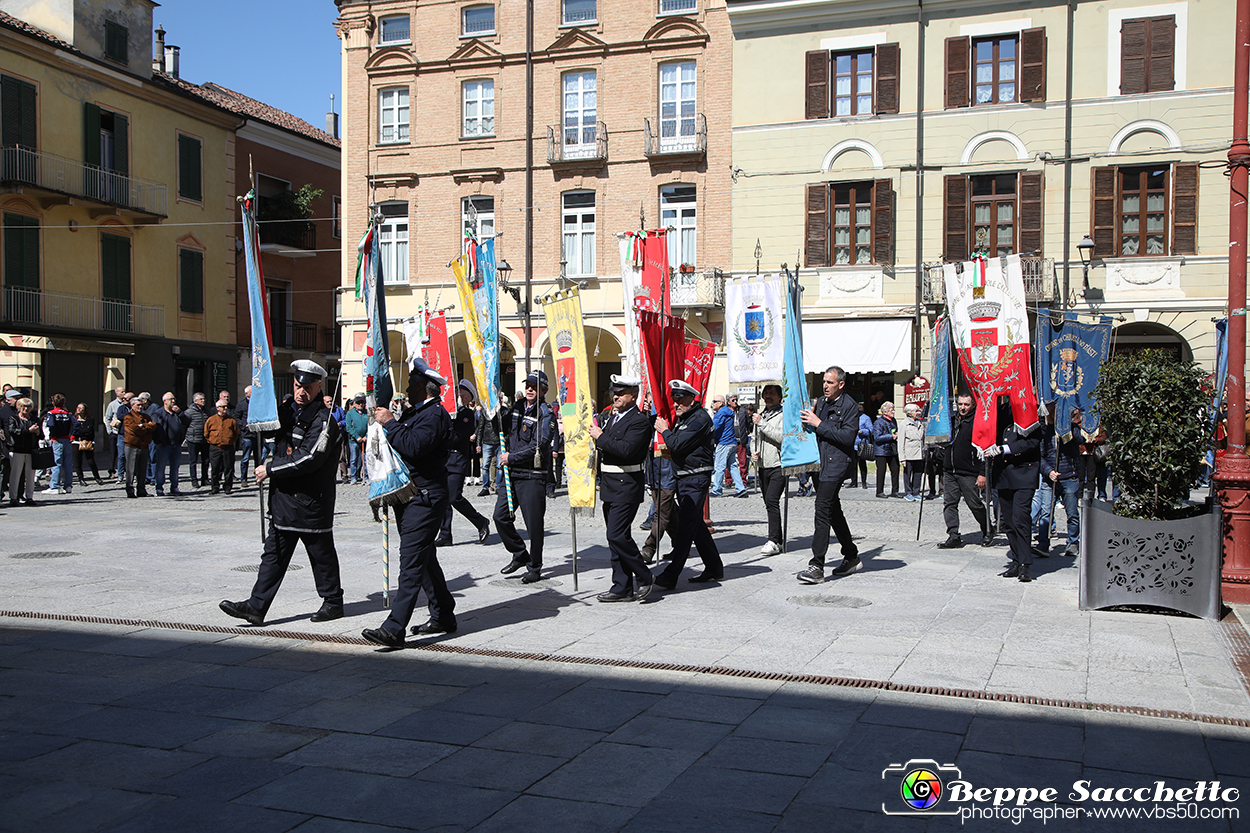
531	499
1016	513
198	451
829	515
455	490
223	463
890	463
691	495
772	485
913	477
955	486
418	522
279	547
627	563
662	522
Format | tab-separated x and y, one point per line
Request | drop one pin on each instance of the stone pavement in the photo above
168	717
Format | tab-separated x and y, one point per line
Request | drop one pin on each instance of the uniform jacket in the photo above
625	442
420	436
138	429
692	443
220	431
529	431
836	434
770	438
304	469
462	448
1019	466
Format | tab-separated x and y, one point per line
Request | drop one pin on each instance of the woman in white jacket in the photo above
912	452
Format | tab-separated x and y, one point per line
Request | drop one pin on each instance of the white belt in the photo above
621	469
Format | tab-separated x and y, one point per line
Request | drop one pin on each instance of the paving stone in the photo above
710	786
674	815
21	746
616	773
491	769
1135	748
557	741
777	757
539	814
944	715
68	807
1035	738
185	698
690	705
206	815
368	753
140	727
112	765
866	745
259	740
345	716
220	779
245	677
443	727
598	709
668	733
825	728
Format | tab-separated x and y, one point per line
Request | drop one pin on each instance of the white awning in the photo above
858	345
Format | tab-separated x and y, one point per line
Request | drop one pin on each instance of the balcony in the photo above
305	336
584	145
1040	285
80	314
25	167
698	290
691	142
288	238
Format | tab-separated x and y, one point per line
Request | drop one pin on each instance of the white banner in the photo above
631	281
753	318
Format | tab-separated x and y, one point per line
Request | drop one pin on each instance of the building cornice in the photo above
287	142
746	15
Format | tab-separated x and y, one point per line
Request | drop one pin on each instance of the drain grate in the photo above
239	509
515	583
255	568
44	554
828	601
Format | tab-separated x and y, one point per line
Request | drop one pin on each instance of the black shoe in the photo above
987	540
1024	573
647	557
952	543
850	564
328	613
882	495
383	637
483	532
667	584
531	576
14	503
515	564
1012	571
432	627
645	525
615	597
442	541
706	576
1040	551
242	610
485	491
642	592
895	494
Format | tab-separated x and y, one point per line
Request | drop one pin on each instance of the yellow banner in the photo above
571	386
472	332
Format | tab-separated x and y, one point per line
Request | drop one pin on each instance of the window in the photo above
393	242
478	20
393	115
994	70
21	252
191	279
18	113
577	12
579	233
850	223
1147	55
485	208
580	114
677	106
1003	69
994	214
861	82
677	6
189	171
677	210
116	42
1145	210
336	217
106	139
395	29
479	108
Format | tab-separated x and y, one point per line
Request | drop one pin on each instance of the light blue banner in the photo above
938	427
262	411
798	441
486	301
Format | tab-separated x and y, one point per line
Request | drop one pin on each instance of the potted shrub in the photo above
1154	547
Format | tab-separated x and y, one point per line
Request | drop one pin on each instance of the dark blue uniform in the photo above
529	430
460	454
1015	476
623	451
691	443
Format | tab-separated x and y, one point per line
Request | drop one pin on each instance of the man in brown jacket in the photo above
137	430
222	432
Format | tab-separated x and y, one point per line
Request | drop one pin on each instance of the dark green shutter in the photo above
21	251
121	144
115	267
189	185
91	134
17	112
191	267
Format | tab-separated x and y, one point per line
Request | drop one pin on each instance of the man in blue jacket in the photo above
171	431
835	419
725	432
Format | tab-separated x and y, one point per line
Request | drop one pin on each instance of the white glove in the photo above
992	451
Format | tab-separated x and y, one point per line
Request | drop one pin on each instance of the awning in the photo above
858	345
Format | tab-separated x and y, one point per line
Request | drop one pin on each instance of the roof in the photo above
11	22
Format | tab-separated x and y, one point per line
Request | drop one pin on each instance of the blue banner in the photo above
938	427
379	387
1069	356
798	441
262	411
485	296
1221	377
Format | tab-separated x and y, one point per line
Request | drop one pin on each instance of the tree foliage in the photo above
1151	407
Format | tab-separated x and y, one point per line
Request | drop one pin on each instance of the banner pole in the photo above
386	556
573	520
785	513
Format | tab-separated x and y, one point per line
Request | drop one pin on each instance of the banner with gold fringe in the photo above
473	335
563	311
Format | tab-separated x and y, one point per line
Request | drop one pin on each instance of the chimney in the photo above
171	60
332	124
158	63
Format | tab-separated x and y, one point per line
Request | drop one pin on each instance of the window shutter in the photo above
958	93
817	84
886	82
191	265
1031	212
91	134
29	116
189	184
17	112
817	242
1132	57
883	222
1185	208
21	251
115	267
1162	41
1103	188
955	243
1033	64
121	145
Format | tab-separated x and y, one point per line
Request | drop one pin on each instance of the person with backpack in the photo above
58	427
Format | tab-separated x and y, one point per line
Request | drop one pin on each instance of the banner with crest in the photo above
573	401
262	414
1069	355
755	347
937	429
799	451
436	350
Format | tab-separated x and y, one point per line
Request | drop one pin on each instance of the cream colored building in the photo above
878	137
631	117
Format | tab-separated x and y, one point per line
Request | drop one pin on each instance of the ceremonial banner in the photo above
916	392
755	347
666	362
798	441
437	354
990	329
485	294
1069	355
389	482
698	370
379	388
563	311
631	282
487	391
938	426
415	335
655	269
262	413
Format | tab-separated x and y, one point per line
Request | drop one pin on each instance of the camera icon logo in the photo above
923	783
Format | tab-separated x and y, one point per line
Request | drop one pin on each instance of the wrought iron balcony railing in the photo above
80	313
577	144
694	289
1040	285
689	137
23	166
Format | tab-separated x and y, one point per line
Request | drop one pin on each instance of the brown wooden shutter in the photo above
883	222
1160	74
1102	211
1185	208
817	82
817	248
886	82
1033	64
1031	212
958	93
1133	57
955	244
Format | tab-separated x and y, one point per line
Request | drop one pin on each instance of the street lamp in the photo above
504	269
1086	248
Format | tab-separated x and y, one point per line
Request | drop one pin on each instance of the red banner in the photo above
653	291
699	356
437	353
651	325
916	392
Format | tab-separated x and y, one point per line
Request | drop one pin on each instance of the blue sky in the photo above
282	52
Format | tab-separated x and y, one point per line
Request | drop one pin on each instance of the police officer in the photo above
420	436
460	456
1017	457
691	443
623	444
528	428
301	500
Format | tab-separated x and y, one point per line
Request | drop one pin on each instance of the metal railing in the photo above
674	6
575	12
692	289
1040	285
576	148
65	176
296	234
332	340
77	312
688	143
